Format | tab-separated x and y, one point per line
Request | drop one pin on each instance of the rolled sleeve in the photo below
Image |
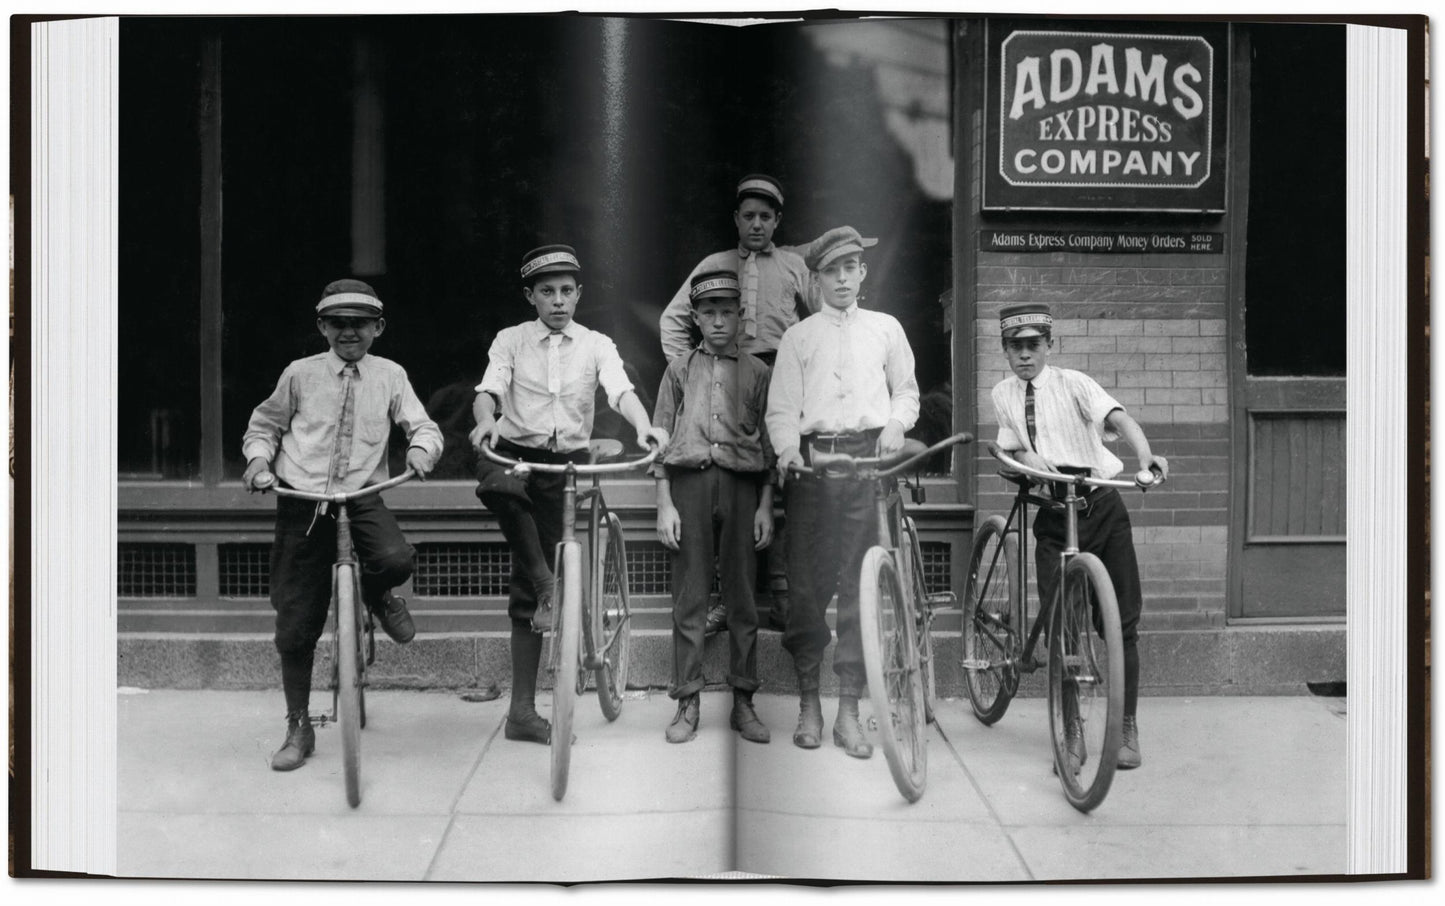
1095	404
610	372
270	420
411	416
498	376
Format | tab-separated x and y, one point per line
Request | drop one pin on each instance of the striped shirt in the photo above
838	372
546	410
1069	412
295	428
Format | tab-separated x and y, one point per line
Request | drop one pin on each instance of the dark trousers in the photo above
716	506
530	516
301	562
833	523
1105	532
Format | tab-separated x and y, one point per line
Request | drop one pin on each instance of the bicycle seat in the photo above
603	450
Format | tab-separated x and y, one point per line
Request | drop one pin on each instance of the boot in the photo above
1129	757
809	734
848	732
745	720
300	742
1074	747
524	724
684	724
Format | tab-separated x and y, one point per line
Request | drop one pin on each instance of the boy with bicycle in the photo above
537	397
325	429
843	383
713	491
1057	419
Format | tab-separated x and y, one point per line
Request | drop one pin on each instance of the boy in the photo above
537	395
1056	419
843	383
325	429
774	286
713	490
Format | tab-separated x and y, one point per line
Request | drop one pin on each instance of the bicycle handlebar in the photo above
339	497
845	465
1153	476
577	468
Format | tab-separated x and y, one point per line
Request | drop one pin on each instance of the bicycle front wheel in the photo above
348	675
992	621
611	615
566	641
910	556
1086	682
890	661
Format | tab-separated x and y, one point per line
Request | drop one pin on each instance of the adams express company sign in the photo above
1086	119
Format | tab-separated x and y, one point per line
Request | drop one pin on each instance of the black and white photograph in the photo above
811	448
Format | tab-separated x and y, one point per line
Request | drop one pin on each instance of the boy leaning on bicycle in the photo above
324	429
1057	419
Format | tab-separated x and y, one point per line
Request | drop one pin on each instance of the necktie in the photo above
554	377
750	295
345	427
1029	416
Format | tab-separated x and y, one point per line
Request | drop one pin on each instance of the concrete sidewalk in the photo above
1231	786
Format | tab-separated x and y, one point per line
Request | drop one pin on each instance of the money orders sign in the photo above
1095	119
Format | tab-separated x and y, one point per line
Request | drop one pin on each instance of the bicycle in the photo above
1084	642
351	625
895	609
591	632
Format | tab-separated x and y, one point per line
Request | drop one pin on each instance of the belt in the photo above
846	442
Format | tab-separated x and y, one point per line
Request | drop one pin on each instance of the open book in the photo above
1227	219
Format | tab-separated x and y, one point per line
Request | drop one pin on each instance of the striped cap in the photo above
715	285
550	259
759	185
348	299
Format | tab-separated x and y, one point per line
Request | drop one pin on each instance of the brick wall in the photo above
1151	330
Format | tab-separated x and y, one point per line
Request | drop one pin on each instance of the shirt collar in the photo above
744	252
336	364
730	353
540	330
1044	374
840	314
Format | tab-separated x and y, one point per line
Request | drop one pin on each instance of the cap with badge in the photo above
550	259
759	185
348	299
1028	319
833	245
715	285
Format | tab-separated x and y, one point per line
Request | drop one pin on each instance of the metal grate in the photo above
245	570
156	571
459	569
649	569
937	565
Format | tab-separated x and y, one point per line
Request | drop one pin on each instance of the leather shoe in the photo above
300	742
531	727
848	732
542	617
684	724
745	720
809	734
1129	757
394	618
1074	746
717	620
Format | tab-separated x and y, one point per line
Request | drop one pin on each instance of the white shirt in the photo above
841	371
1069	412
545	396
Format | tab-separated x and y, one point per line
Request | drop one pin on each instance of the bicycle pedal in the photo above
941	599
973	663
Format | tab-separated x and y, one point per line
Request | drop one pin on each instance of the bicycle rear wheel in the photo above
567	632
1086	681
992	621
611	614
890	661
348	675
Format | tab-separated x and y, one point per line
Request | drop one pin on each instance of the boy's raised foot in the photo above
394	618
